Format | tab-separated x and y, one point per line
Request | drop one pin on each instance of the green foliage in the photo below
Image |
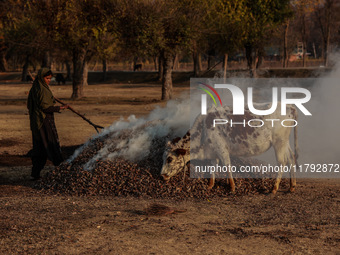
227	25
139	27
149	27
21	32
262	17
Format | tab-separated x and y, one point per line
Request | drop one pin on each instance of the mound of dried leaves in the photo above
120	177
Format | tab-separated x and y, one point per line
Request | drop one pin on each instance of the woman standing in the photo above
44	133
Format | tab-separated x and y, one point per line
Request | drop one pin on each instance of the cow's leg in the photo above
231	181
280	151
292	171
285	157
212	177
277	182
225	161
292	180
211	181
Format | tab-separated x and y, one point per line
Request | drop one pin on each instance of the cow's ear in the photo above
181	151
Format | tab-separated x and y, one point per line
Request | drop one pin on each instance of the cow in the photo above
60	78
29	78
222	141
137	67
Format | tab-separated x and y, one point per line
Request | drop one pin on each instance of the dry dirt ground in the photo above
31	222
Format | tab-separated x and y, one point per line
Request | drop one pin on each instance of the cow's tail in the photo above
296	146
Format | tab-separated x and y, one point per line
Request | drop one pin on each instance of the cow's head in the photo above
174	159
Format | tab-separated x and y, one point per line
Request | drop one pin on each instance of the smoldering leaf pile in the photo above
121	177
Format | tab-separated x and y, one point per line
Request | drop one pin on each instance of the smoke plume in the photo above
168	122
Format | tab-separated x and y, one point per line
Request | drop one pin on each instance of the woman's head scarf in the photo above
40	98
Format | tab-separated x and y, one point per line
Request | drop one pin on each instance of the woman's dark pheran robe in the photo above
44	133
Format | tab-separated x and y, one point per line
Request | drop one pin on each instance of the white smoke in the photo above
170	121
319	135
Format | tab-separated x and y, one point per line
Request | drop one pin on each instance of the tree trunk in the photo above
225	66
155	63
135	59
3	62
259	56
211	58
314	51
194	58
327	35
251	60
176	61
46	62
79	76
285	46
86	73
25	69
167	76
160	67
325	27
104	70
330	11
304	55
326	46
68	70
304	40
197	63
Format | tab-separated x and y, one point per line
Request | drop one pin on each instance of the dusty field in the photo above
31	222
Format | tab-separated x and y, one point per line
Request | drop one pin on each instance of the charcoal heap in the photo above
121	177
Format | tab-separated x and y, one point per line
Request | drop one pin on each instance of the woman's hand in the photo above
65	106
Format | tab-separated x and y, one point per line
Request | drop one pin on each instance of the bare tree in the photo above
325	17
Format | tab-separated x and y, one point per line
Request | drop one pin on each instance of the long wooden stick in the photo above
76	112
79	114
